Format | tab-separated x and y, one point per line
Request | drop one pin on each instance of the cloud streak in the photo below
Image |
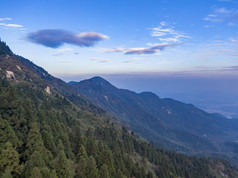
167	34
3	19
152	50
222	14
110	50
55	38
11	25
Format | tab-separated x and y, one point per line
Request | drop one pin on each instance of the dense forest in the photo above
43	134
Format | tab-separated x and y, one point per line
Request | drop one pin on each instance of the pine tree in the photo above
48	139
104	172
119	174
35	160
62	166
35	173
81	159
35	143
6	174
91	168
91	147
106	157
7	134
76	139
9	160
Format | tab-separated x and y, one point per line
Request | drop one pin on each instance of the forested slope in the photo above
43	134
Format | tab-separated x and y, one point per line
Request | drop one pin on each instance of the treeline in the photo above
45	135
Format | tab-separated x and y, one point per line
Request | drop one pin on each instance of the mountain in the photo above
45	134
173	124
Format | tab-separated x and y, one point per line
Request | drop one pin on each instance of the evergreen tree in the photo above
62	166
91	168
35	143
81	159
35	173
35	160
7	134
6	174
75	139
119	174
48	139
9	160
104	172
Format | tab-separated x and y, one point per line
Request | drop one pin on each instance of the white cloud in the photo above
223	10
222	15
168	34
94	58
136	58
104	60
99	59
92	35
11	25
233	40
65	50
163	23
3	19
110	50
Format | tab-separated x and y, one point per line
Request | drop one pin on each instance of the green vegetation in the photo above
46	135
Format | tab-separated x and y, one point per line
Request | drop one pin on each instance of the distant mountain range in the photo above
167	122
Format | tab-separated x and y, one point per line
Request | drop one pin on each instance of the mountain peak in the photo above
98	79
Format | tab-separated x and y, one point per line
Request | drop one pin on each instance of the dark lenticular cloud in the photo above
56	38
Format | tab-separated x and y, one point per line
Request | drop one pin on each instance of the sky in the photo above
144	39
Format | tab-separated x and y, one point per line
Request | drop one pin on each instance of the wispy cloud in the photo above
6	25
222	15
231	68
62	51
136	58
215	52
110	50
99	59
3	19
168	37
155	48
11	25
94	58
168	34
65	50
57	38
104	60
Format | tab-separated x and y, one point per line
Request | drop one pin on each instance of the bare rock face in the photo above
47	89
19	68
10	75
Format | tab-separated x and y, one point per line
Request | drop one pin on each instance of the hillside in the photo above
44	134
173	124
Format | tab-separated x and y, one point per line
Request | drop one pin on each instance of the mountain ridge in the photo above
165	120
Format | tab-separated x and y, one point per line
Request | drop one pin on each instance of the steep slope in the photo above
43	134
192	129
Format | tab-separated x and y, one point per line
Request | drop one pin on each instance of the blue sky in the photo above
72	38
